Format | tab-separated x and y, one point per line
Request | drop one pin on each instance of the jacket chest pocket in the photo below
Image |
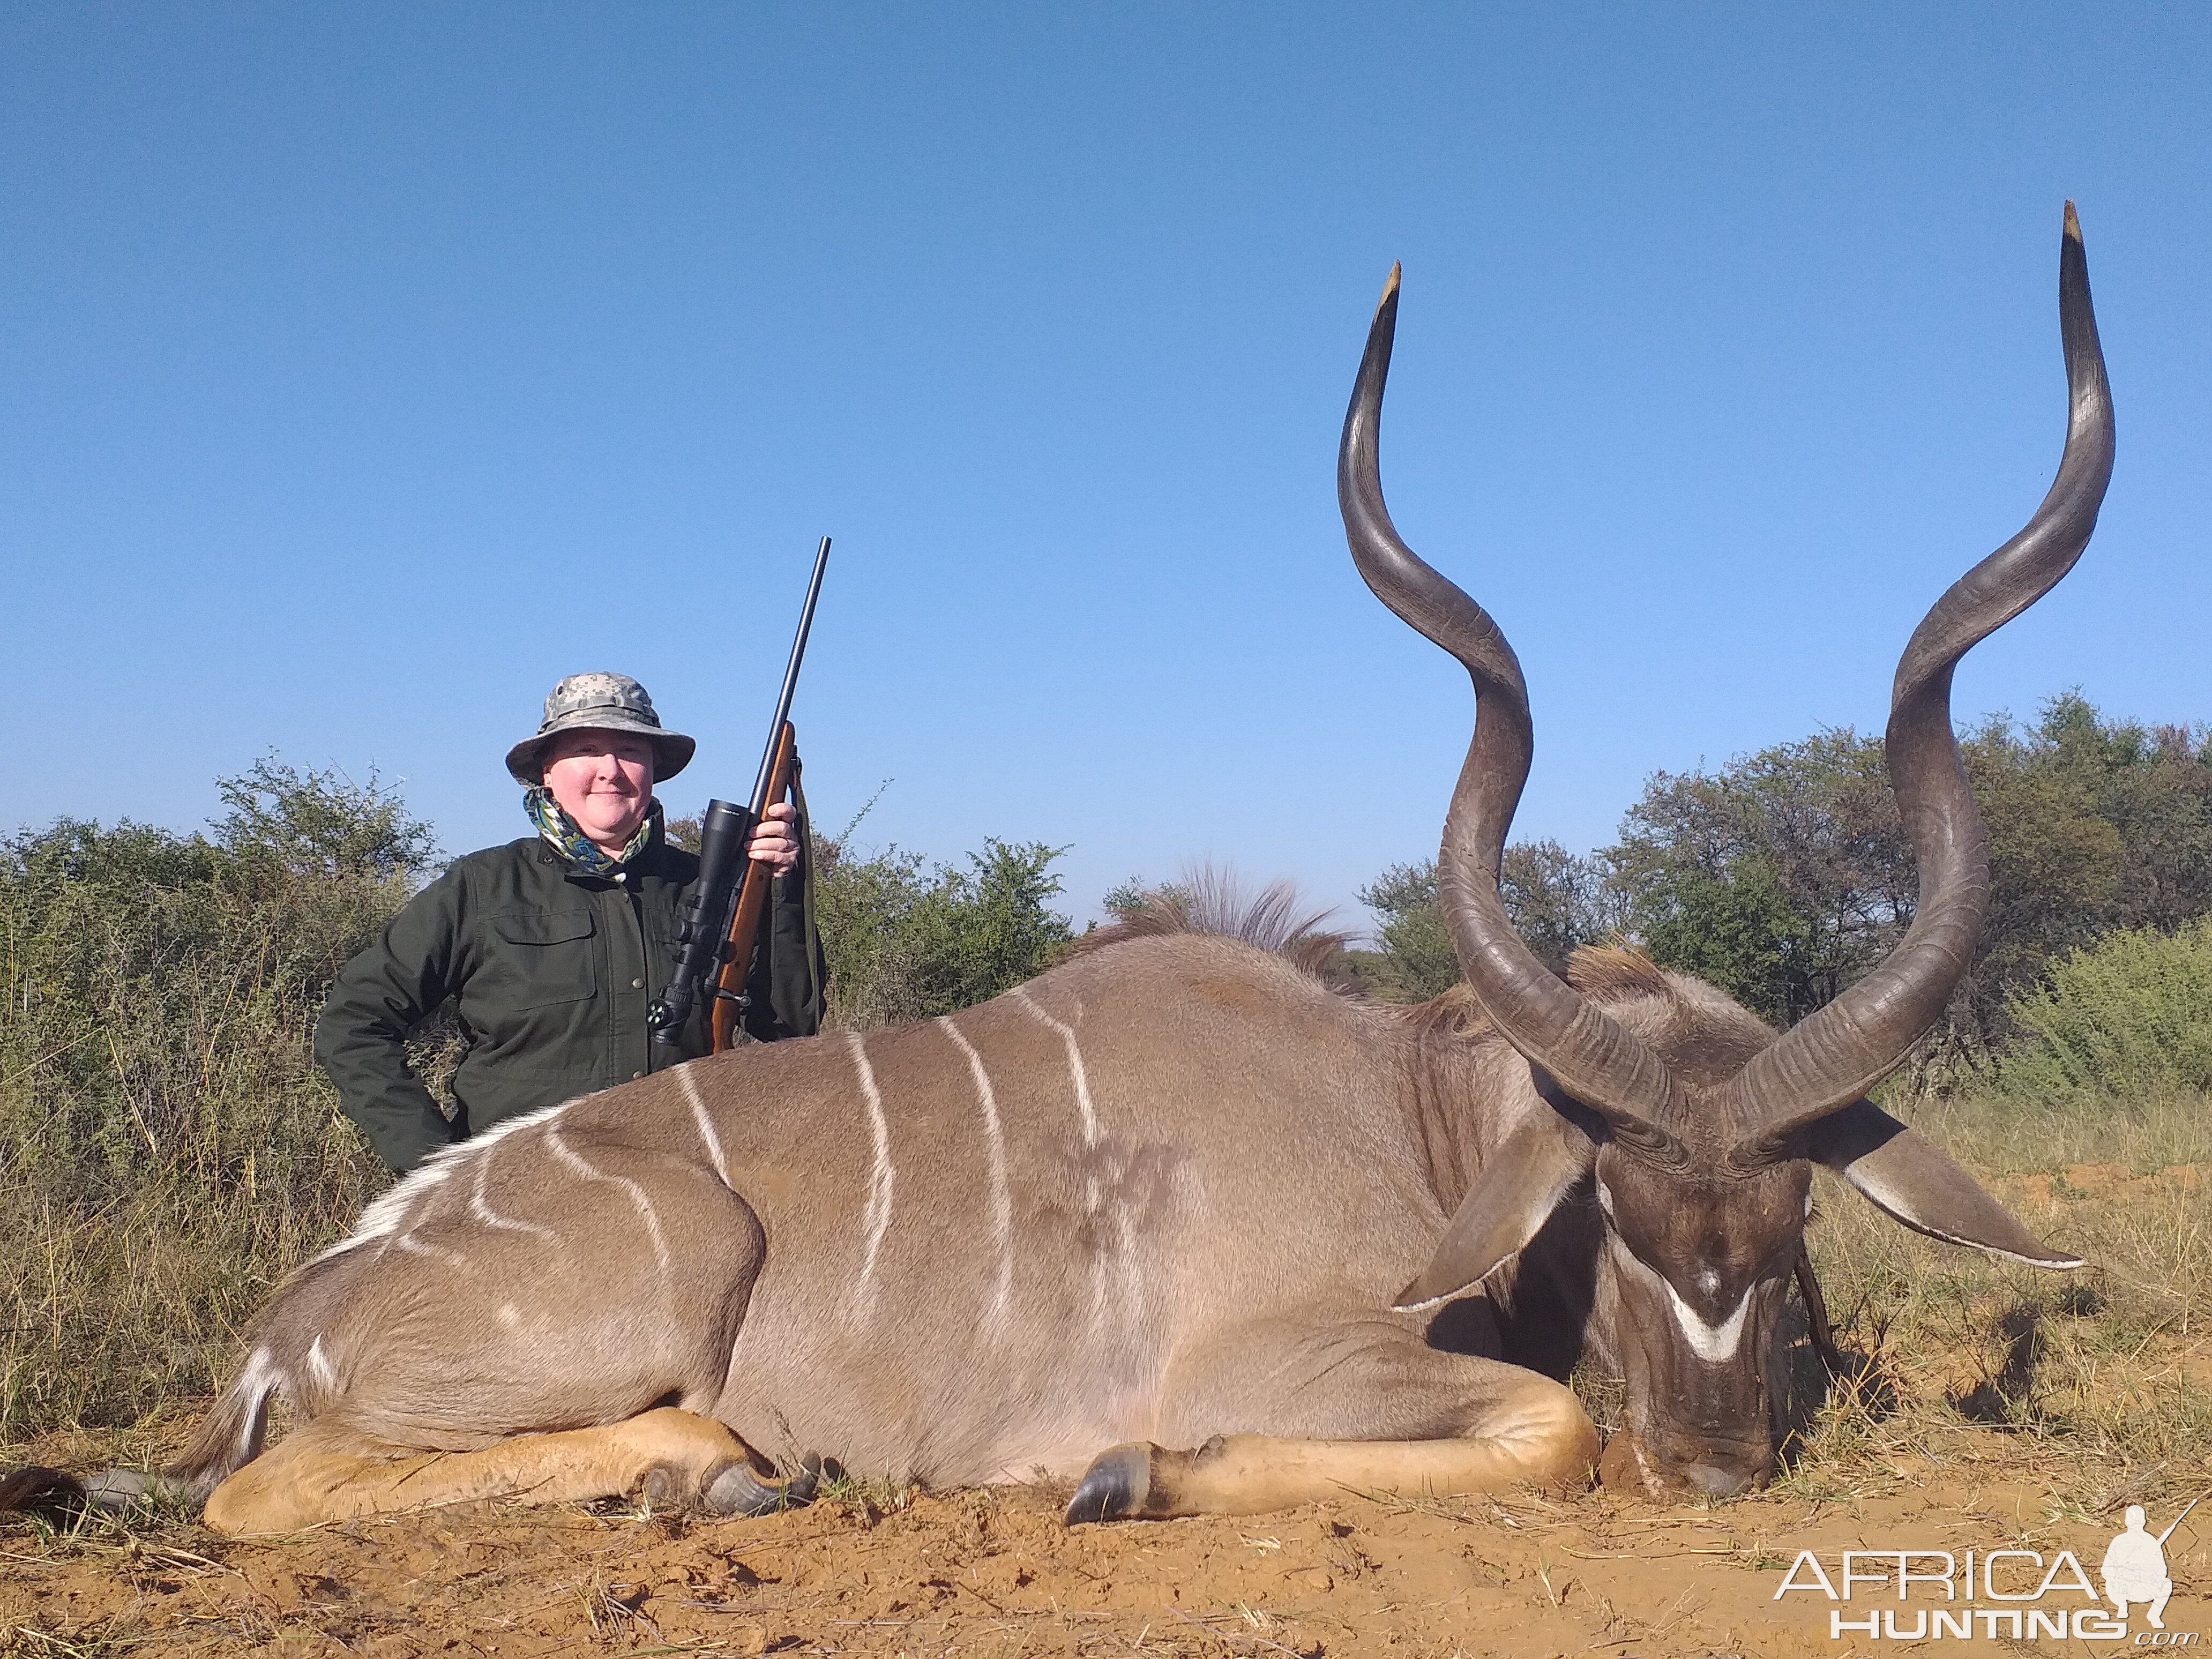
543	960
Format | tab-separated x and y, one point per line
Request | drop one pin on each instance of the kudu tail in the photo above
230	1436
40	1490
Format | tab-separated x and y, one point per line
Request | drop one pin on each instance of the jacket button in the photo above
633	1076
637	985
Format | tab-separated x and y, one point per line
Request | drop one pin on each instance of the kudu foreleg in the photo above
1371	1410
326	1472
1252	1474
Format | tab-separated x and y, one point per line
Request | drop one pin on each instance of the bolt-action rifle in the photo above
721	924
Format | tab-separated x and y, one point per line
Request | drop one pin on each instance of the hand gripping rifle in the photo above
722	922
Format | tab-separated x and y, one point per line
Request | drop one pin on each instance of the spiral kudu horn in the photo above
1832	1056
1596	1061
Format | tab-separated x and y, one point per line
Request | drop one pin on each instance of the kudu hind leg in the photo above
326	1471
581	1301
1375	1411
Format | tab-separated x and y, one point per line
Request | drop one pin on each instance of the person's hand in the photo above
775	841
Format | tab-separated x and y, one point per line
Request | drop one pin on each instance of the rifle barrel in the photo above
711	917
2179	1519
790	683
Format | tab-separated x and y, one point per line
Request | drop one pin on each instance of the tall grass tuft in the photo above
166	1150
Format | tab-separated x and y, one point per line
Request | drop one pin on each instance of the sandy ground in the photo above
995	1572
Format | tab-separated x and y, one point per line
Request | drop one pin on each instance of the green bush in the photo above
908	943
2129	1016
1418	959
166	1150
1557	900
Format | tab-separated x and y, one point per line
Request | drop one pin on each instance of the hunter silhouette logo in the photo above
2009	1594
2134	1569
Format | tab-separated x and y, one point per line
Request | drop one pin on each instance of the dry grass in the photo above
119	1311
2099	1380
166	1151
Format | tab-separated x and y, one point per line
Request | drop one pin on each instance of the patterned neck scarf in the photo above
561	833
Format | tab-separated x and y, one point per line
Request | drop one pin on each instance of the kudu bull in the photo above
1167	1195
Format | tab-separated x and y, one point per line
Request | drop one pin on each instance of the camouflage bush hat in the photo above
600	703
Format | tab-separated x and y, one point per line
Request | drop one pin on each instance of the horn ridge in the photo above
1591	1056
1836	1054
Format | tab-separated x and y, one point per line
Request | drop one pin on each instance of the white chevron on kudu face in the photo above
1715	1344
1712	1343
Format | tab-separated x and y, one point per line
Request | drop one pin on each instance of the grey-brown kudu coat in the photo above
1173	1217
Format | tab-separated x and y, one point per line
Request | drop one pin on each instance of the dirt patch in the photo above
2108	1182
995	1572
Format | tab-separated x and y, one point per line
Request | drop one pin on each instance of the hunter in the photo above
551	947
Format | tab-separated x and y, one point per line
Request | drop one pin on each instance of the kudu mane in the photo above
1211	901
1608	975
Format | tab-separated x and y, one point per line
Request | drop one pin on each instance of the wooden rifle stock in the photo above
752	903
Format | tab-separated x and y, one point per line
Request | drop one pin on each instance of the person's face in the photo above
604	781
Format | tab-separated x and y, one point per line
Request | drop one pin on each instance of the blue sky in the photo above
368	368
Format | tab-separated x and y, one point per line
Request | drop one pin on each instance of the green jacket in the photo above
551	971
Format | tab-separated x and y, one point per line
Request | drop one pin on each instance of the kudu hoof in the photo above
113	1491
736	1491
1114	1486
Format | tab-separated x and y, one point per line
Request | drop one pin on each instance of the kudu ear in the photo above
1519	1185
1907	1177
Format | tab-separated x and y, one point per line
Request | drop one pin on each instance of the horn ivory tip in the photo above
1390	286
2073	225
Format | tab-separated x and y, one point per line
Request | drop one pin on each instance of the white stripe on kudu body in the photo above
994	1147
1124	1232
480	1208
382	1218
881	1179
706	1124
1082	1107
414	1246
585	1167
